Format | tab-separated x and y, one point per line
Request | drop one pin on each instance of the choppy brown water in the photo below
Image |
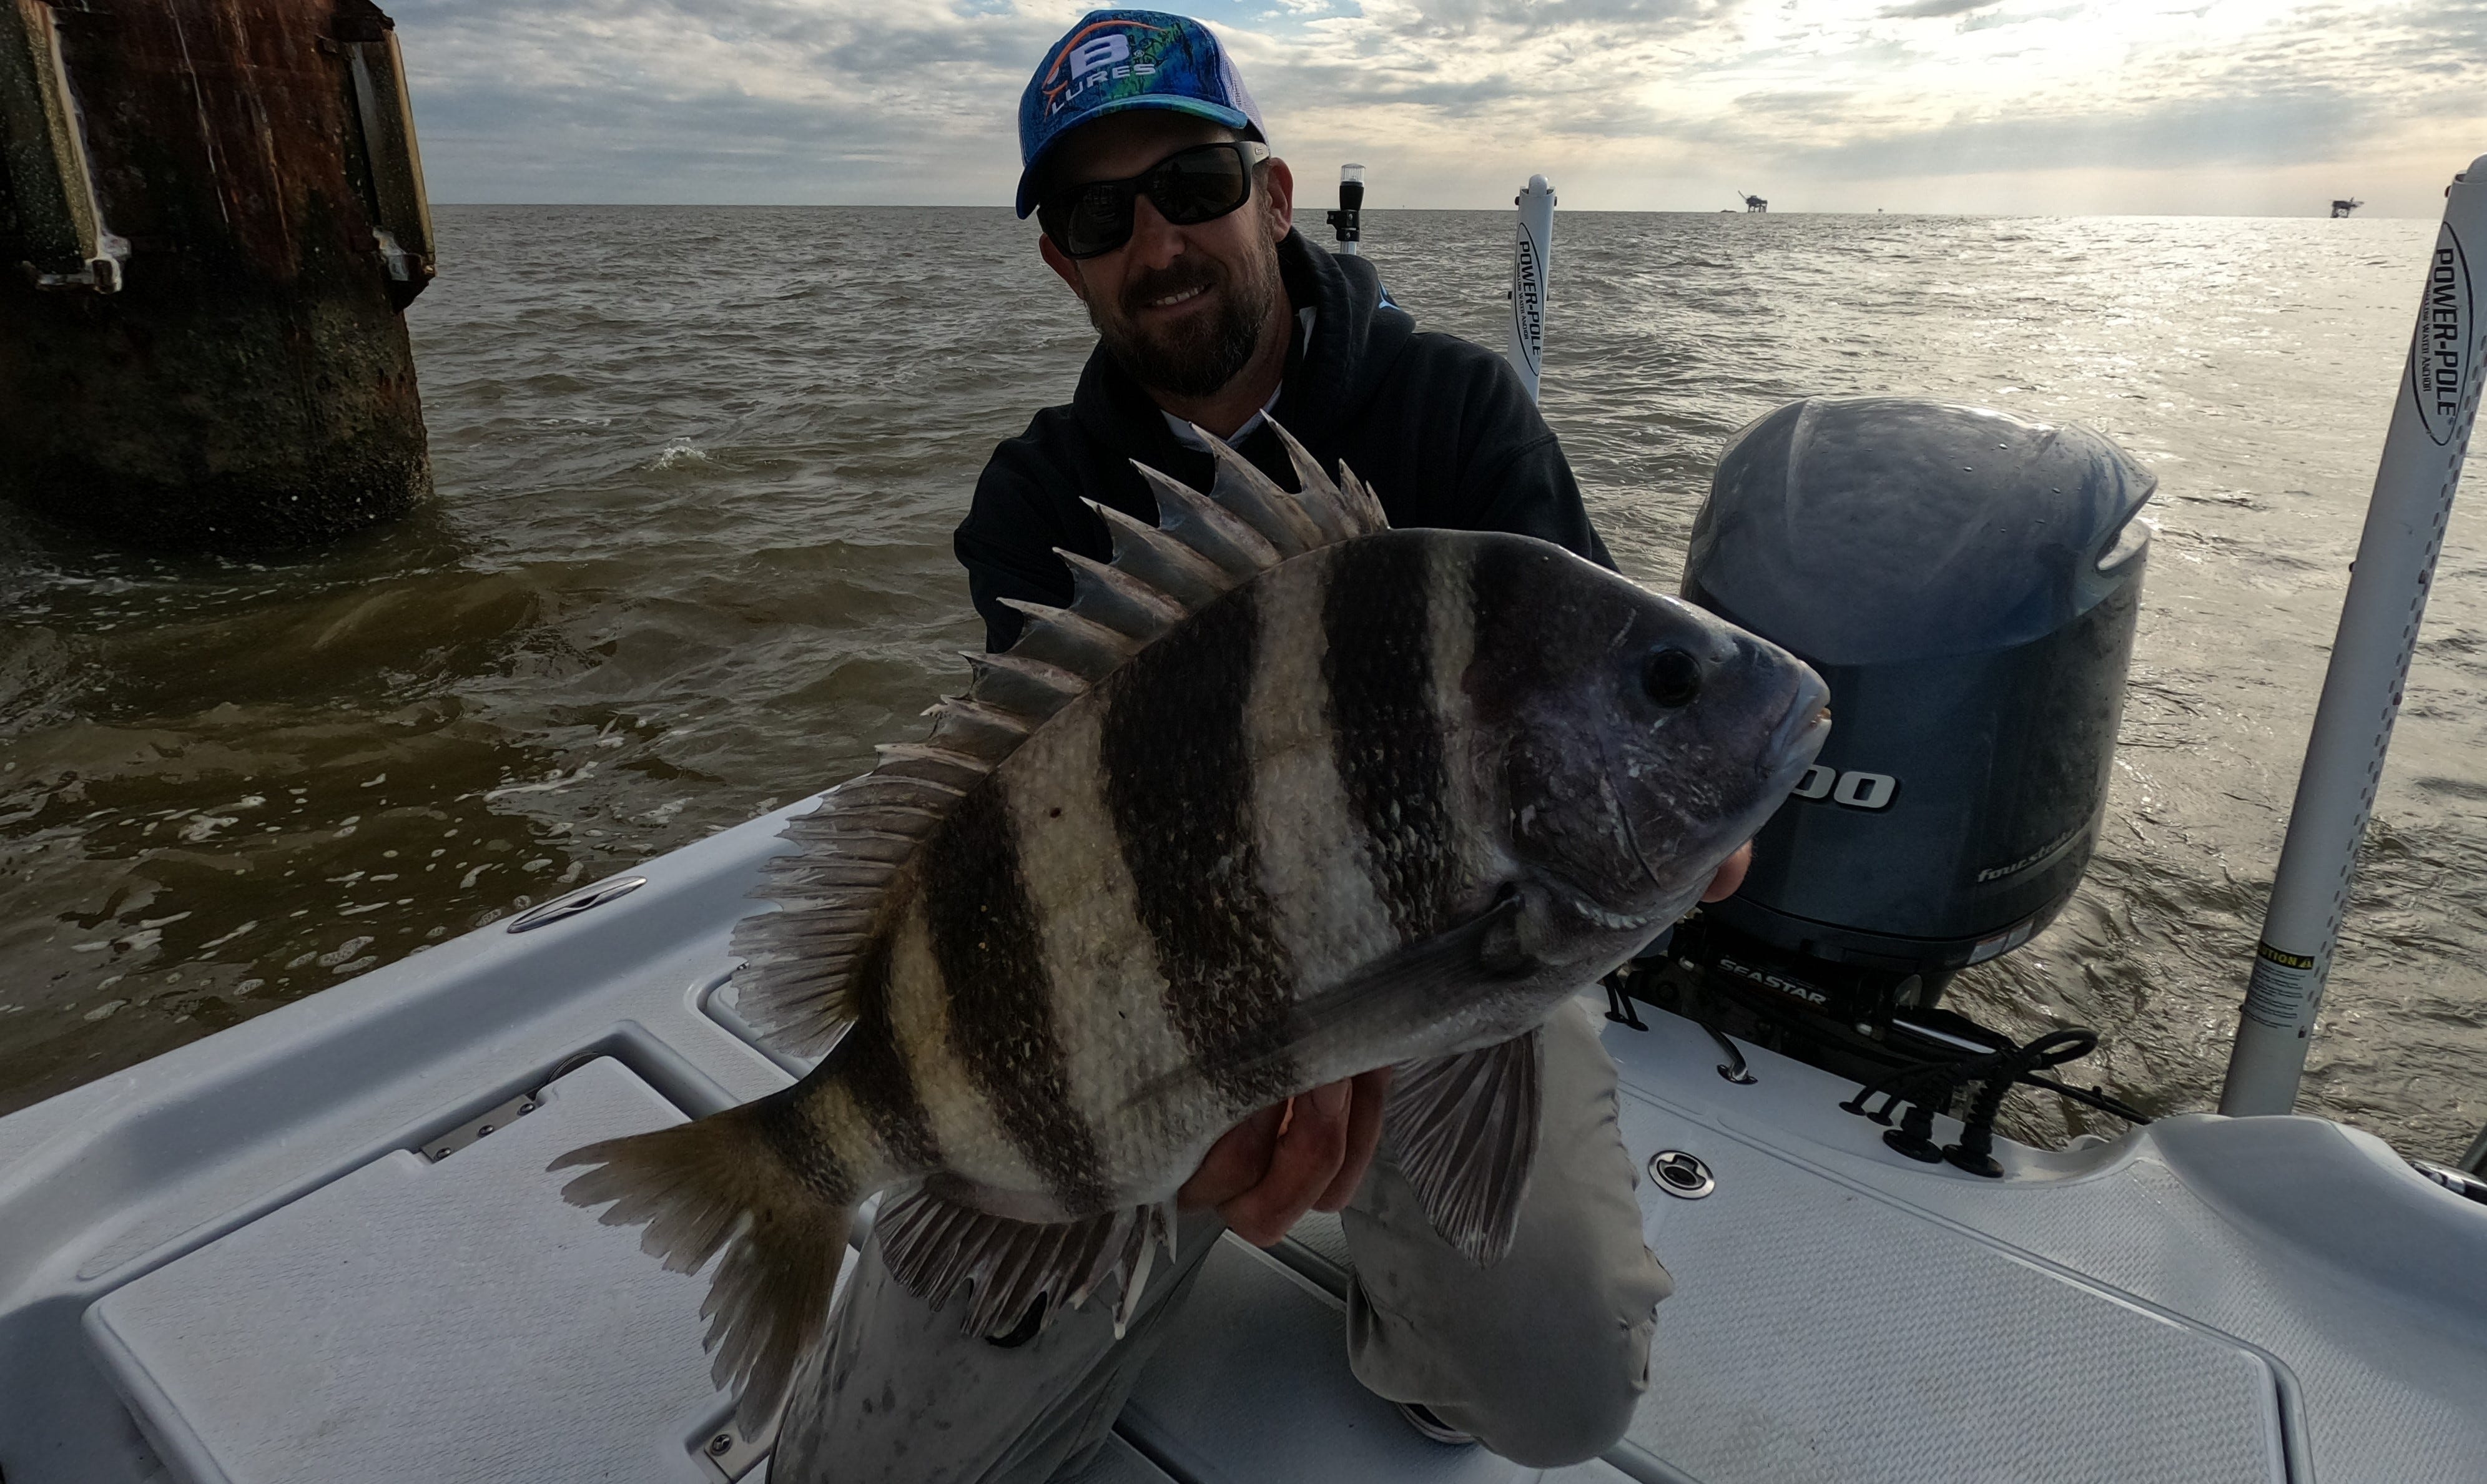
698	471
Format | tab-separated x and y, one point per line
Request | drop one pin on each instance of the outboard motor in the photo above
1967	583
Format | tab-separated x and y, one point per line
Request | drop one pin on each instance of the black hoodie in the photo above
1441	428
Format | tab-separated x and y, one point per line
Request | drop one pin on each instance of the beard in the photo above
1200	355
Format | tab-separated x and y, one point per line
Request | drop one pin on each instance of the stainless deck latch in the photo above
560	908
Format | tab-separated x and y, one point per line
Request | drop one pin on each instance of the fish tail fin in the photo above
717	1189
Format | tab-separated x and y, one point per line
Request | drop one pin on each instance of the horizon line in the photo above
952	205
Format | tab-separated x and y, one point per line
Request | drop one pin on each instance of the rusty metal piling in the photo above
211	214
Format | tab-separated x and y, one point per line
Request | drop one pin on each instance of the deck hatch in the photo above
1819	1334
428	1320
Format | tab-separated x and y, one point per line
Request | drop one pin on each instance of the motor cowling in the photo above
1967	583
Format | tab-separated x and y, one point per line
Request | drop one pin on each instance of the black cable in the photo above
1621	987
1976	1150
2089	1097
1928	1085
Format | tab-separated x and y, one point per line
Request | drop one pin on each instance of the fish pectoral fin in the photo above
934	1242
1464	1129
1492	945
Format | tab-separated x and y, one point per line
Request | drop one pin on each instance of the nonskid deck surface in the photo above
283	1253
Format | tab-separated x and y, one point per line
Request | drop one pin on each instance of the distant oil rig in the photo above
2341	208
1753	203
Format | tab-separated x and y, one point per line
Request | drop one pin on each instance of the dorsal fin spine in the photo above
1317	495
1166	564
1118	599
1019	683
1256	499
1358	496
1192	518
987	732
1071	640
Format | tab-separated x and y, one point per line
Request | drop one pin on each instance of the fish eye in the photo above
1673	678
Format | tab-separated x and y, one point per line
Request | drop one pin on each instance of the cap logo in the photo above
1095	55
1105	51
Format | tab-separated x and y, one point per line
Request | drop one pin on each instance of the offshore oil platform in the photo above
1753	203
2341	208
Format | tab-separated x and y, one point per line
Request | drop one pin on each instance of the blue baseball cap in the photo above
1118	59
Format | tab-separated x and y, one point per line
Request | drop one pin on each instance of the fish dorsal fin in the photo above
832	888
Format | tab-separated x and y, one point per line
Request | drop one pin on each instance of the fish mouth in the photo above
1800	734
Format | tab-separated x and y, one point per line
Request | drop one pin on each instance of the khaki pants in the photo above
1541	1355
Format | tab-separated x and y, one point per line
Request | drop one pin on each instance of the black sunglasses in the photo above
1188	187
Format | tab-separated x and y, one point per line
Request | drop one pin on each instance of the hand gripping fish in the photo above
1284	795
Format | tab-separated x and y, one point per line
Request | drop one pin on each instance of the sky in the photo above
2253	107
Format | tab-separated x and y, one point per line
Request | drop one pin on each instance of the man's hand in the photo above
1306	1153
1310	1152
1731	874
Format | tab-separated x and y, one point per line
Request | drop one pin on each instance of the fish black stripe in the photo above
798	1144
1377	666
985	942
868	1061
1507	575
1178	781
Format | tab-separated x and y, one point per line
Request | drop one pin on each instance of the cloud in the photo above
1640	103
2219	132
1927	8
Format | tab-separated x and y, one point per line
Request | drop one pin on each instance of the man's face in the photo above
1180	308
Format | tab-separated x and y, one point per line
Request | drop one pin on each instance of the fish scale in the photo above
1283	796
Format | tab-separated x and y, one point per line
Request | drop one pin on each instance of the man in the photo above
1161	208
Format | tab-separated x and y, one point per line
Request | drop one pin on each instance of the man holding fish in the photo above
1301	786
1220	321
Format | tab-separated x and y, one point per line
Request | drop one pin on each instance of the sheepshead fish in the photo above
1284	795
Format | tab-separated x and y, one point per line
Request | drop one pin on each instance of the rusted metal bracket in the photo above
401	211
62	241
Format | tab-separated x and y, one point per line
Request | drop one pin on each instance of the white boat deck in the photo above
242	1262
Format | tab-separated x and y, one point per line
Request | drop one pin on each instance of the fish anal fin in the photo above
710	1189
934	1242
1464	1129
